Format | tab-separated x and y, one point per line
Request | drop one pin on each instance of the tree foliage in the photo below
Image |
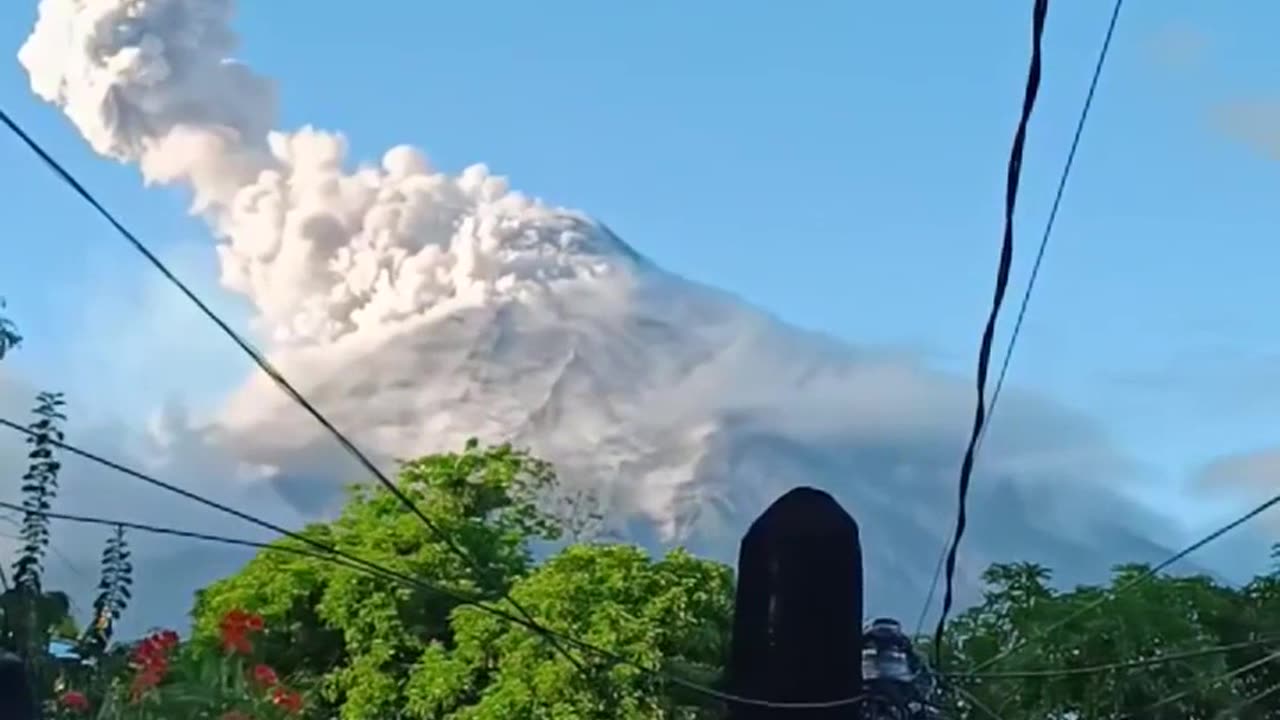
366	642
1164	616
675	610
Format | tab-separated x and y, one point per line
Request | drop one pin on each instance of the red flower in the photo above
75	701
168	639
265	676
155	645
235	628
143	682
151	660
287	699
234	642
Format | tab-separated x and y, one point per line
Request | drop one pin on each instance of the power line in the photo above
1112	667
1226	713
1035	267
332	556
327	554
330	553
1098	669
75	570
266	366
1150	573
168	487
271	372
933	586
1038	15
1144	712
361	565
259	359
981	706
1053	211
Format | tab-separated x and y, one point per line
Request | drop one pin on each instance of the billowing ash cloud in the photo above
320	252
418	308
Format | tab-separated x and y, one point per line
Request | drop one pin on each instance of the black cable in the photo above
1039	13
974	701
1150	573
330	553
1203	685
350	447
326	556
1261	695
168	487
1112	667
261	361
361	565
933	585
1053	211
1035	267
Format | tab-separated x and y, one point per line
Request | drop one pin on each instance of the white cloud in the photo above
1254	122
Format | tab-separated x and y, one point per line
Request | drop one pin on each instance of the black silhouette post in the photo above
797	627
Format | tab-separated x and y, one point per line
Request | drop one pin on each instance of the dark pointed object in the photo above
797	626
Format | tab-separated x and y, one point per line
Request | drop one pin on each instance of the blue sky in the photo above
841	166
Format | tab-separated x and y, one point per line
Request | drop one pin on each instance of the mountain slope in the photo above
689	411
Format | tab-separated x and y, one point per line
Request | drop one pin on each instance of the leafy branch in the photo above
39	487
10	339
114	593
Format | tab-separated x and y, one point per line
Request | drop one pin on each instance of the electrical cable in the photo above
1112	667
168	487
1035	267
1204	685
259	359
1227	712
360	565
75	570
1053	212
974	701
330	553
1133	582
347	444
933	585
1039	13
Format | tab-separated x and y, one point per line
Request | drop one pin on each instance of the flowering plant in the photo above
166	678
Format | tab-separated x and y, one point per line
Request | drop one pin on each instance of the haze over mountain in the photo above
418	308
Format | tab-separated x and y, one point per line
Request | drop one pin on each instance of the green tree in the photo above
1155	618
359	634
676	611
363	641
